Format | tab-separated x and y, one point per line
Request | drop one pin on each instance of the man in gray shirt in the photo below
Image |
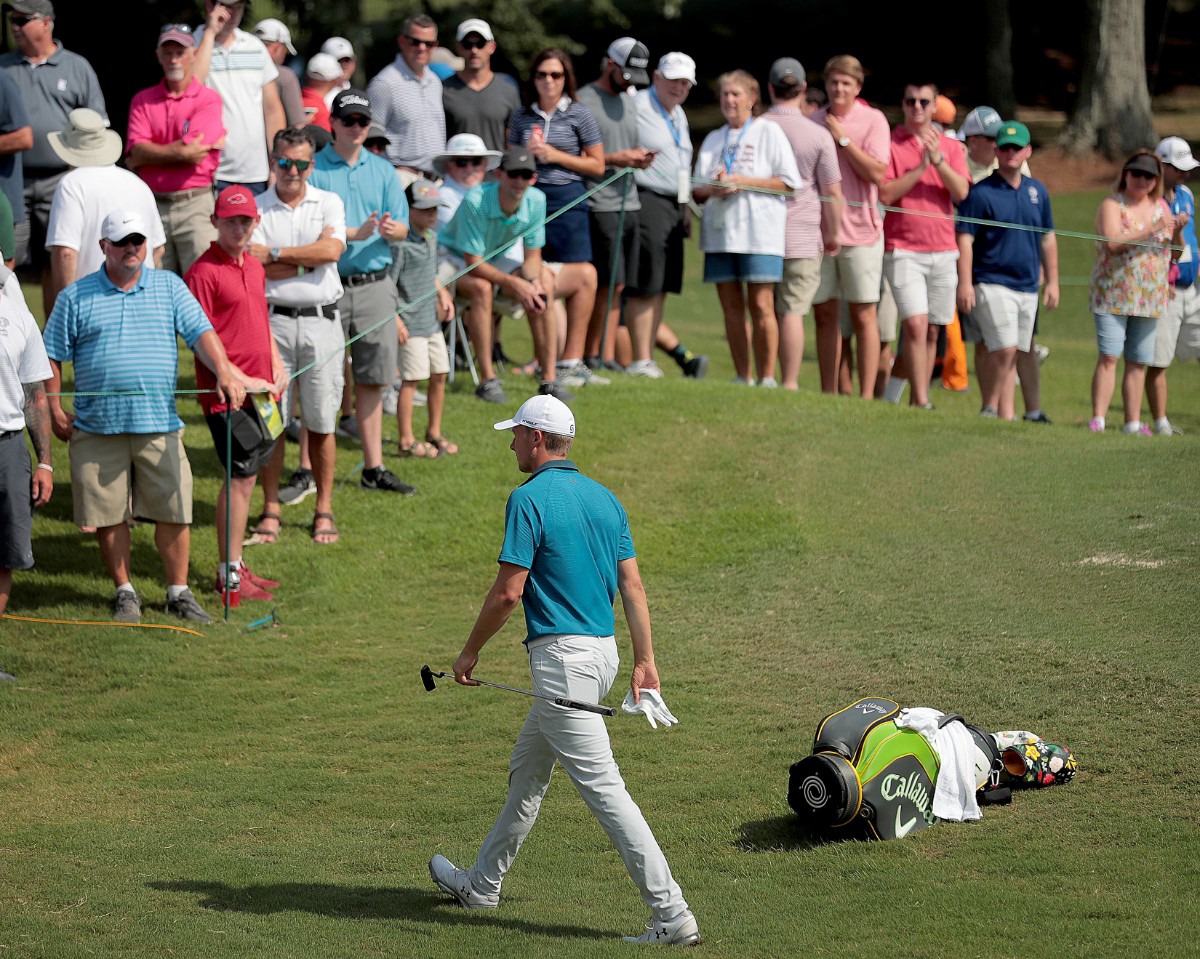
52	82
477	100
615	112
277	38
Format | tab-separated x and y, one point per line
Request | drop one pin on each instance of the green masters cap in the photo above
1012	133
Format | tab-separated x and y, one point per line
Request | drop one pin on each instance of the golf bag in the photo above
868	778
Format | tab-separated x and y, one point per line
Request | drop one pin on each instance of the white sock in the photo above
126	588
1133	426
567	363
1099	421
1162	423
174	591
1030	414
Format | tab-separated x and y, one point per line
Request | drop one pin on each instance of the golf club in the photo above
427	676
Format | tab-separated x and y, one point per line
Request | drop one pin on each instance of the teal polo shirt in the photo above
570	533
370	185
481	228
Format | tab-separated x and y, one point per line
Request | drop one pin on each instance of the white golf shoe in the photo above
681	931
450	879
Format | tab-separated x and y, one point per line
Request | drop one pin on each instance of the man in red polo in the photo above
231	287
176	132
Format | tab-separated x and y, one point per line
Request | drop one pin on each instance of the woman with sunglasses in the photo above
564	139
1129	286
747	171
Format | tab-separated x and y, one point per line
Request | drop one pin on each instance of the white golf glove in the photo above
652	706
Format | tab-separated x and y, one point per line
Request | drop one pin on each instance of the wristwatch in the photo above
275	252
843	141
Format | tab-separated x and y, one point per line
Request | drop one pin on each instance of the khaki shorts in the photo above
1005	316
853	275
1187	301
794	293
187	222
924	284
305	340
422	357
885	316
154	467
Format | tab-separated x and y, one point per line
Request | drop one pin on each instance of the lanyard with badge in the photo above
728	160
683	189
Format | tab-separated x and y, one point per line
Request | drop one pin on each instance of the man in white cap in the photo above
174	145
277	38
1177	334
238	67
476	99
322	76
125	433
615	235
342	50
567	552
86	195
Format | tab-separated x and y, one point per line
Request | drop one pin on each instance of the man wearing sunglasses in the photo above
52	82
118	327
174	145
476	99
376	217
406	98
926	176
239	68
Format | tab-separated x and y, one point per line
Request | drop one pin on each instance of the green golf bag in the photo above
866	778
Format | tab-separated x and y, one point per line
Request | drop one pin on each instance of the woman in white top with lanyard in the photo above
746	170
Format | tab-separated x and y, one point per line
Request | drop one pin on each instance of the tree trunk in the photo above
1112	114
1001	96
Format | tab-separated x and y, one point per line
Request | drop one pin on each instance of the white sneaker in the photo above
647	369
1166	429
768	383
391	397
573	375
678	932
1042	352
450	879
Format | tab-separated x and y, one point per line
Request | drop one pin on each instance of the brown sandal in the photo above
330	531
265	537
444	446
419	450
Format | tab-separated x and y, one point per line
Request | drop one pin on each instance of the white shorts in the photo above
924	284
1187	346
853	275
1005	316
317	340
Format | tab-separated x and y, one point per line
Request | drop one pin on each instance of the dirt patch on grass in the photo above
1064	172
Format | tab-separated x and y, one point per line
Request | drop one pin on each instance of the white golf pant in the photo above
583	668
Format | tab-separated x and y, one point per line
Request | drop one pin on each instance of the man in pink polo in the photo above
855	272
175	138
926	176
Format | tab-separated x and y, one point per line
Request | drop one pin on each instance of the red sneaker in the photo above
249	576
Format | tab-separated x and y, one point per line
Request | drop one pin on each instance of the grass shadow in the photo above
359	902
782	834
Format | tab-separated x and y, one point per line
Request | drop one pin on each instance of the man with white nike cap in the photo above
559	524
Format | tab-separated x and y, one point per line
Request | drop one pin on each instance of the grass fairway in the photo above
279	792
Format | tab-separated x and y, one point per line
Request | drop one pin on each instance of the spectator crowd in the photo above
311	242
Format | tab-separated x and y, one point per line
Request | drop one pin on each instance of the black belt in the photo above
9	435
329	311
179	195
362	279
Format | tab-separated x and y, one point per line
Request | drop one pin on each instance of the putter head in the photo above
427	679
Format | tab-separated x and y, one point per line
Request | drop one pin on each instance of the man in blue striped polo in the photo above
118	328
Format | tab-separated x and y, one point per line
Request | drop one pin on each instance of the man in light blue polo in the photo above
490	219
567	552
376	215
118	327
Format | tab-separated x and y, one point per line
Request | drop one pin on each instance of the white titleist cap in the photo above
474	25
1176	152
122	223
545	413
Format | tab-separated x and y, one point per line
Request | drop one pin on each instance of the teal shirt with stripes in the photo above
570	533
124	341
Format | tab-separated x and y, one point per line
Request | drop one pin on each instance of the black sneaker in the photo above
491	391
127	607
300	486
553	388
185	607
384	479
696	367
1038	417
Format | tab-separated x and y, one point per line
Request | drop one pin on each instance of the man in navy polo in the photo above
999	267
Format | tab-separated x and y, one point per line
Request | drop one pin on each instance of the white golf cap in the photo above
466	145
1176	152
323	67
338	48
275	31
545	413
677	66
121	223
474	25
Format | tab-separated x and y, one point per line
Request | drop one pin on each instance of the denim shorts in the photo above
1131	335
742	267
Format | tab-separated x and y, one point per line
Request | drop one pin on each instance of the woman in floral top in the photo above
1129	285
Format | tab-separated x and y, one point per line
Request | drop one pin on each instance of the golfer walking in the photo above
567	550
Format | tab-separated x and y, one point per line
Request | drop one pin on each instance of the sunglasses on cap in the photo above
298	165
174	28
134	239
913	101
355	120
473	44
463	162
